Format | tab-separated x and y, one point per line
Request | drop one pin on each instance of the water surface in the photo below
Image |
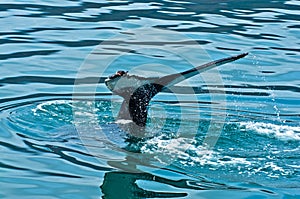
58	134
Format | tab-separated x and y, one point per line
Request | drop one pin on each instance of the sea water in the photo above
231	132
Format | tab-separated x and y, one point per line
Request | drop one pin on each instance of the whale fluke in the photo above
138	91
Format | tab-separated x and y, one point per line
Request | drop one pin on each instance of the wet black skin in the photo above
137	98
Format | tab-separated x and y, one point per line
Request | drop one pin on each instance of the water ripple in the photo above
43	46
27	54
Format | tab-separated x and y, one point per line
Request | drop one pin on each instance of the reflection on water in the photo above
130	185
43	46
126	184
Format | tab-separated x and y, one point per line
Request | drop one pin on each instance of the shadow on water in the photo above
124	185
128	186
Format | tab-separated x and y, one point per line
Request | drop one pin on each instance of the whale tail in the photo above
138	91
173	79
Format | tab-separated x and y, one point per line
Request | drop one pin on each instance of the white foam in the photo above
281	132
123	121
40	107
185	151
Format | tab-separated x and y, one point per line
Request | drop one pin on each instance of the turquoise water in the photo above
234	132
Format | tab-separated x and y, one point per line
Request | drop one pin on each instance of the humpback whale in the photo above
138	91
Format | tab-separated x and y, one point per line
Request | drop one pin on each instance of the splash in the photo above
281	132
187	153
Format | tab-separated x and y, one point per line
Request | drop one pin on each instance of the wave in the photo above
281	132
